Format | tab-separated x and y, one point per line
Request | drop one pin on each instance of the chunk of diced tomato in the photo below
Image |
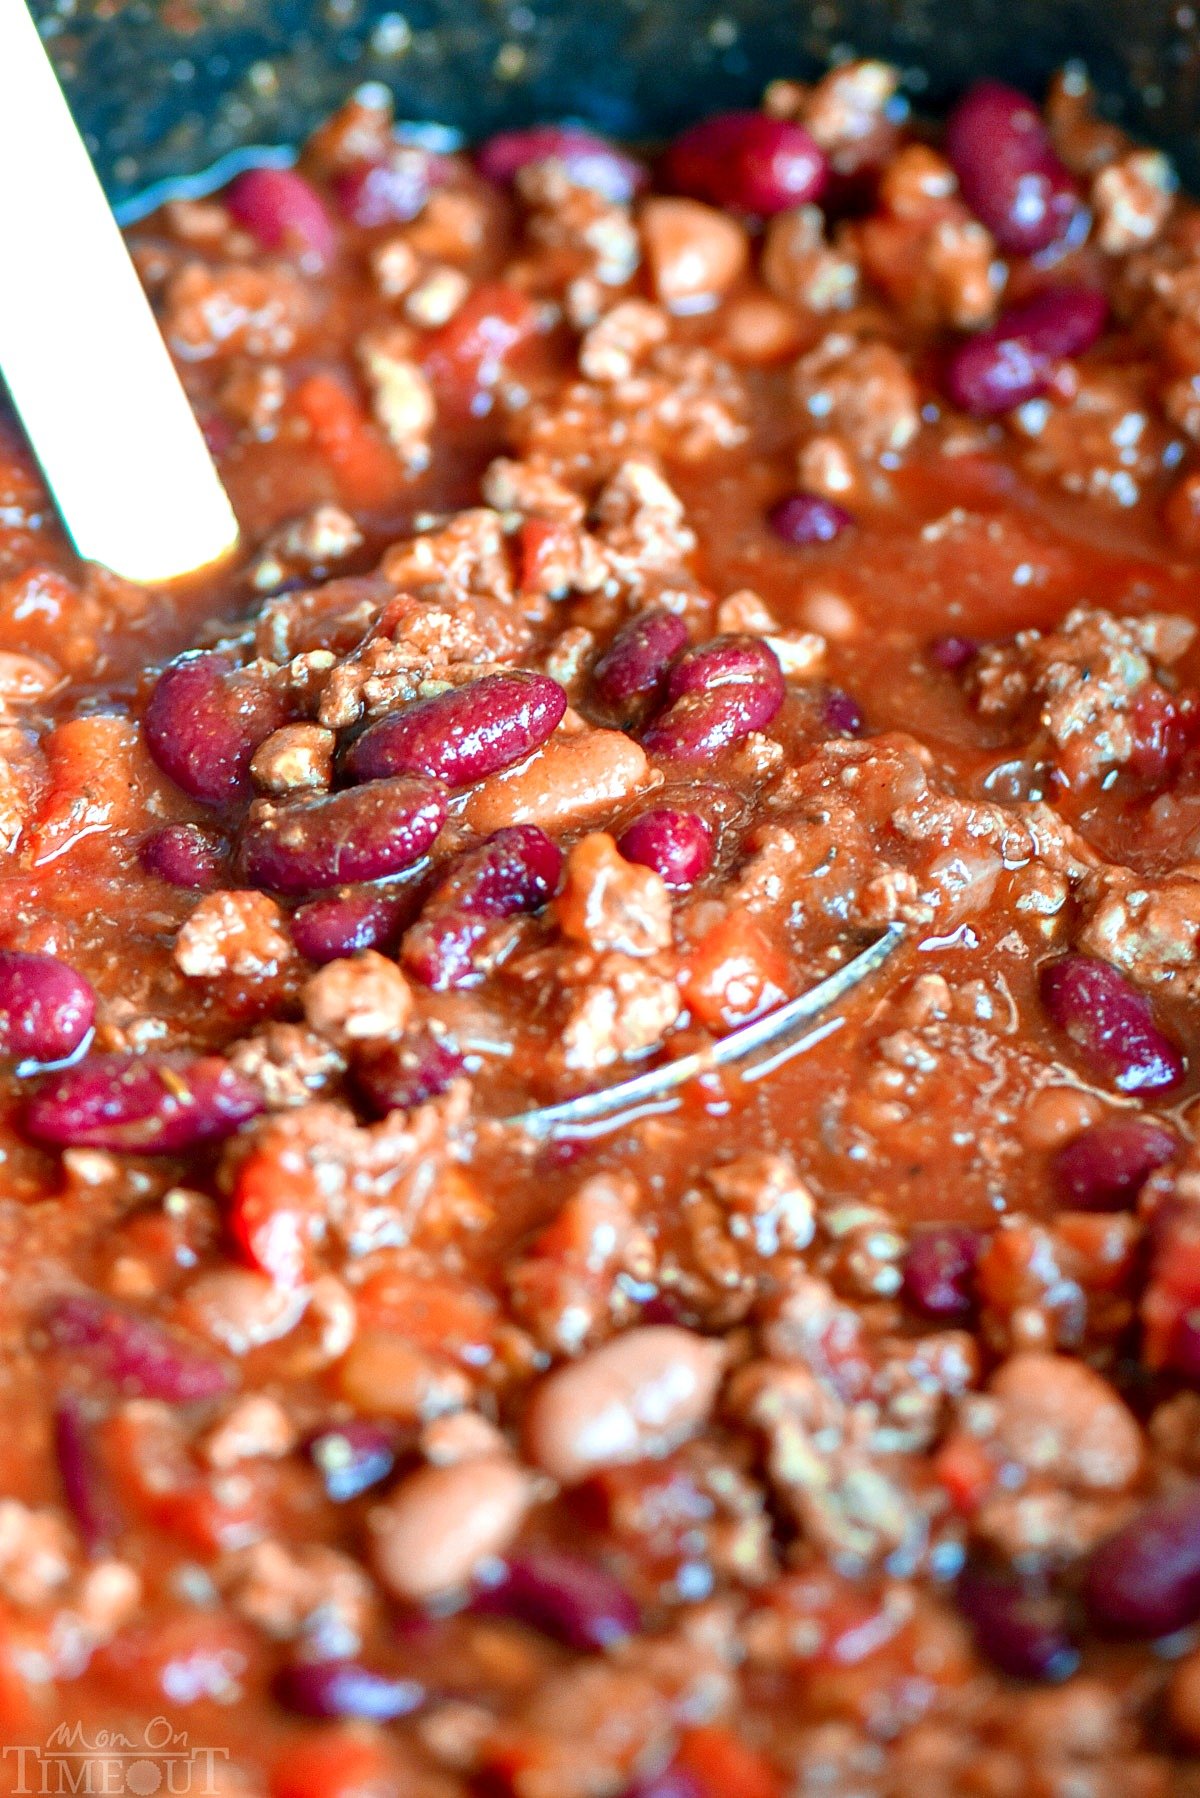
465	358
734	973
726	1767
341	431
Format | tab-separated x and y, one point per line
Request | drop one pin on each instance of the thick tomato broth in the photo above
655	580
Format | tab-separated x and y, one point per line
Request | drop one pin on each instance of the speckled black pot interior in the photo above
166	88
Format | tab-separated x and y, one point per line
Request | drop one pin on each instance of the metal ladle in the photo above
752	1052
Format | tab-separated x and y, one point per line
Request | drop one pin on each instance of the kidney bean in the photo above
569	782
807	518
726	662
439	950
1111	1023
134	1351
953	653
590	161
1007	169
343	924
516	870
46	1008
204	721
1022	1631
701	724
677	845
637	1395
88	1504
351	1458
1104	1168
334	839
142	1104
184	855
575	1600
433	1532
464	734
407	1073
1014	361
390	190
749	162
841	712
282	211
346	1689
939	1270
719	693
634	666
1183	1347
1145	1579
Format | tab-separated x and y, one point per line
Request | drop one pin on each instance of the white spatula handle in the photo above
80	351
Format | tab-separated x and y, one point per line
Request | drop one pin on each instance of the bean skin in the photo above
463	735
441	1522
568	783
336	839
46	1008
638	1395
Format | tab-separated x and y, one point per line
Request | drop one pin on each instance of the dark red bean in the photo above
677	845
726	662
1014	361
939	1270
841	712
204	721
953	653
720	692
135	1352
351	1458
46	1008
1145	1579
184	855
1105	1167
439	950
87	1501
590	161
282	211
408	1073
1111	1023
1008	170
635	664
142	1104
390	191
702	724
749	162
336	839
342	924
464	734
346	1689
574	1600
1022	1631
807	518
1183	1348
516	870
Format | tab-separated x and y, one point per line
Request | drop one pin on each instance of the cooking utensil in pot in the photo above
80	350
751	1052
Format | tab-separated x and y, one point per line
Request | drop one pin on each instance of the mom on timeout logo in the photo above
159	1763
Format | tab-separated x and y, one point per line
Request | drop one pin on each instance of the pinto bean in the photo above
443	1521
569	782
638	1395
